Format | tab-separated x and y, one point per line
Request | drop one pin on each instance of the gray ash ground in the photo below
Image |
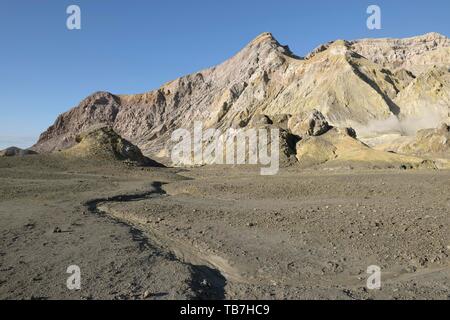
220	232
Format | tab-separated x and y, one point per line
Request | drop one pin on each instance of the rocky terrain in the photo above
219	232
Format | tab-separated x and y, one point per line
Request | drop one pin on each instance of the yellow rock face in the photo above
338	147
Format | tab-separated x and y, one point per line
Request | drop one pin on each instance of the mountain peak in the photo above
267	40
264	40
263	37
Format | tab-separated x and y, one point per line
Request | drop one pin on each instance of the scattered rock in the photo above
205	283
57	230
29	226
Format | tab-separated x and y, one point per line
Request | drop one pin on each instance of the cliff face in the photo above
350	82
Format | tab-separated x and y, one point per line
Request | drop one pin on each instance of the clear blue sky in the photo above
134	46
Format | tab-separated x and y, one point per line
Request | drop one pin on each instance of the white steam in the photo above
406	126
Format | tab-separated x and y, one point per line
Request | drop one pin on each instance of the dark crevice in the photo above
207	283
394	108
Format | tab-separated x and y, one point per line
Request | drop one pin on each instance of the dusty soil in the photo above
220	232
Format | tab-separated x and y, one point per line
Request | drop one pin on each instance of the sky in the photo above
135	46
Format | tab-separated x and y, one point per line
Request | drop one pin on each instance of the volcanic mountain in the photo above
351	83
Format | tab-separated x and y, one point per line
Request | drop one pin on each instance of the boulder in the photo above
260	119
312	124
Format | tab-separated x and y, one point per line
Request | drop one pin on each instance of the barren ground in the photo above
220	232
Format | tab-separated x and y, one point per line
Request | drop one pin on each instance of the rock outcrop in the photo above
313	124
104	143
427	97
430	142
340	147
415	54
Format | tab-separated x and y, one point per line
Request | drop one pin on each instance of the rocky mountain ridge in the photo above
352	83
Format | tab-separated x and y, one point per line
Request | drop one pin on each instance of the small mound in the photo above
105	143
430	142
16	152
340	146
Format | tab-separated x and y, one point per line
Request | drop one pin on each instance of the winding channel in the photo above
213	269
